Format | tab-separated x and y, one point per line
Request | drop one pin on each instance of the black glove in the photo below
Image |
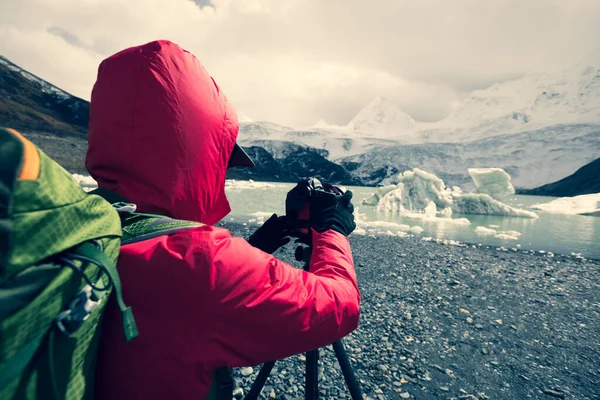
271	235
328	211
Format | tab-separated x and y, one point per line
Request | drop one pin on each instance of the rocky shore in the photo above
448	321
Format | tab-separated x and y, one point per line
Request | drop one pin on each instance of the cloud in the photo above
297	61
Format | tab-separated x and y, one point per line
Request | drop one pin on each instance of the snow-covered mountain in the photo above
336	142
539	128
532	102
383	119
531	158
45	86
28	102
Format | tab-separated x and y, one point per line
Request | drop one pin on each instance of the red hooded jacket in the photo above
160	135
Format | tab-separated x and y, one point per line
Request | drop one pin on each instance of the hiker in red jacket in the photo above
162	135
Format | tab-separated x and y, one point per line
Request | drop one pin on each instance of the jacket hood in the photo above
161	132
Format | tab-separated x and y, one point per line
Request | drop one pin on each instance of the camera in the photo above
297	205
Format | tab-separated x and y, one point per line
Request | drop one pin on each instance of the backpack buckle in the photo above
82	306
124	207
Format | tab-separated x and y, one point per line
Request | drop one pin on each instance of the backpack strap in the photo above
138	227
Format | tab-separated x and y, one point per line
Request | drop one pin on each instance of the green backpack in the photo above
58	252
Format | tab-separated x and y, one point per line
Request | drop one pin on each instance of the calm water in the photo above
556	233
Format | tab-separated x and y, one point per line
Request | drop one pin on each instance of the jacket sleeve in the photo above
263	309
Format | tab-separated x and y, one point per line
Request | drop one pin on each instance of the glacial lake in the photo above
557	233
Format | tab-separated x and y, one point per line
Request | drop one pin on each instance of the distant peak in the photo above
243	117
381	117
321	124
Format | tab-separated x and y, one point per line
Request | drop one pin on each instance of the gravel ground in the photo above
441	321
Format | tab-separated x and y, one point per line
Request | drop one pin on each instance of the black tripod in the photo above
312	358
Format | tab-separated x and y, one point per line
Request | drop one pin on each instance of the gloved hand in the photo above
328	211
271	235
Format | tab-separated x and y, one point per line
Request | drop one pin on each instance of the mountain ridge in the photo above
586	180
532	155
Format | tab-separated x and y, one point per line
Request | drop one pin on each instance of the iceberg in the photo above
480	203
585	204
417	190
492	181
420	194
373	198
482	230
505	236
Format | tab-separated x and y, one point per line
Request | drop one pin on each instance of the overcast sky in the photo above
296	61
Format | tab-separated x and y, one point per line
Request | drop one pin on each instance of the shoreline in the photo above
442	321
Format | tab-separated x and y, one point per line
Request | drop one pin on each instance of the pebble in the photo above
422	312
247	371
554	393
238	393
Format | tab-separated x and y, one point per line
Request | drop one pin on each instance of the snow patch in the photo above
586	204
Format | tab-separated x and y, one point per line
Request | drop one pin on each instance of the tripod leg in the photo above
312	375
344	362
260	380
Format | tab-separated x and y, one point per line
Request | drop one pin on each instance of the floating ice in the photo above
382	225
420	194
374	198
492	181
416	230
505	236
249	184
416	191
511	233
482	230
479	203
586	204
